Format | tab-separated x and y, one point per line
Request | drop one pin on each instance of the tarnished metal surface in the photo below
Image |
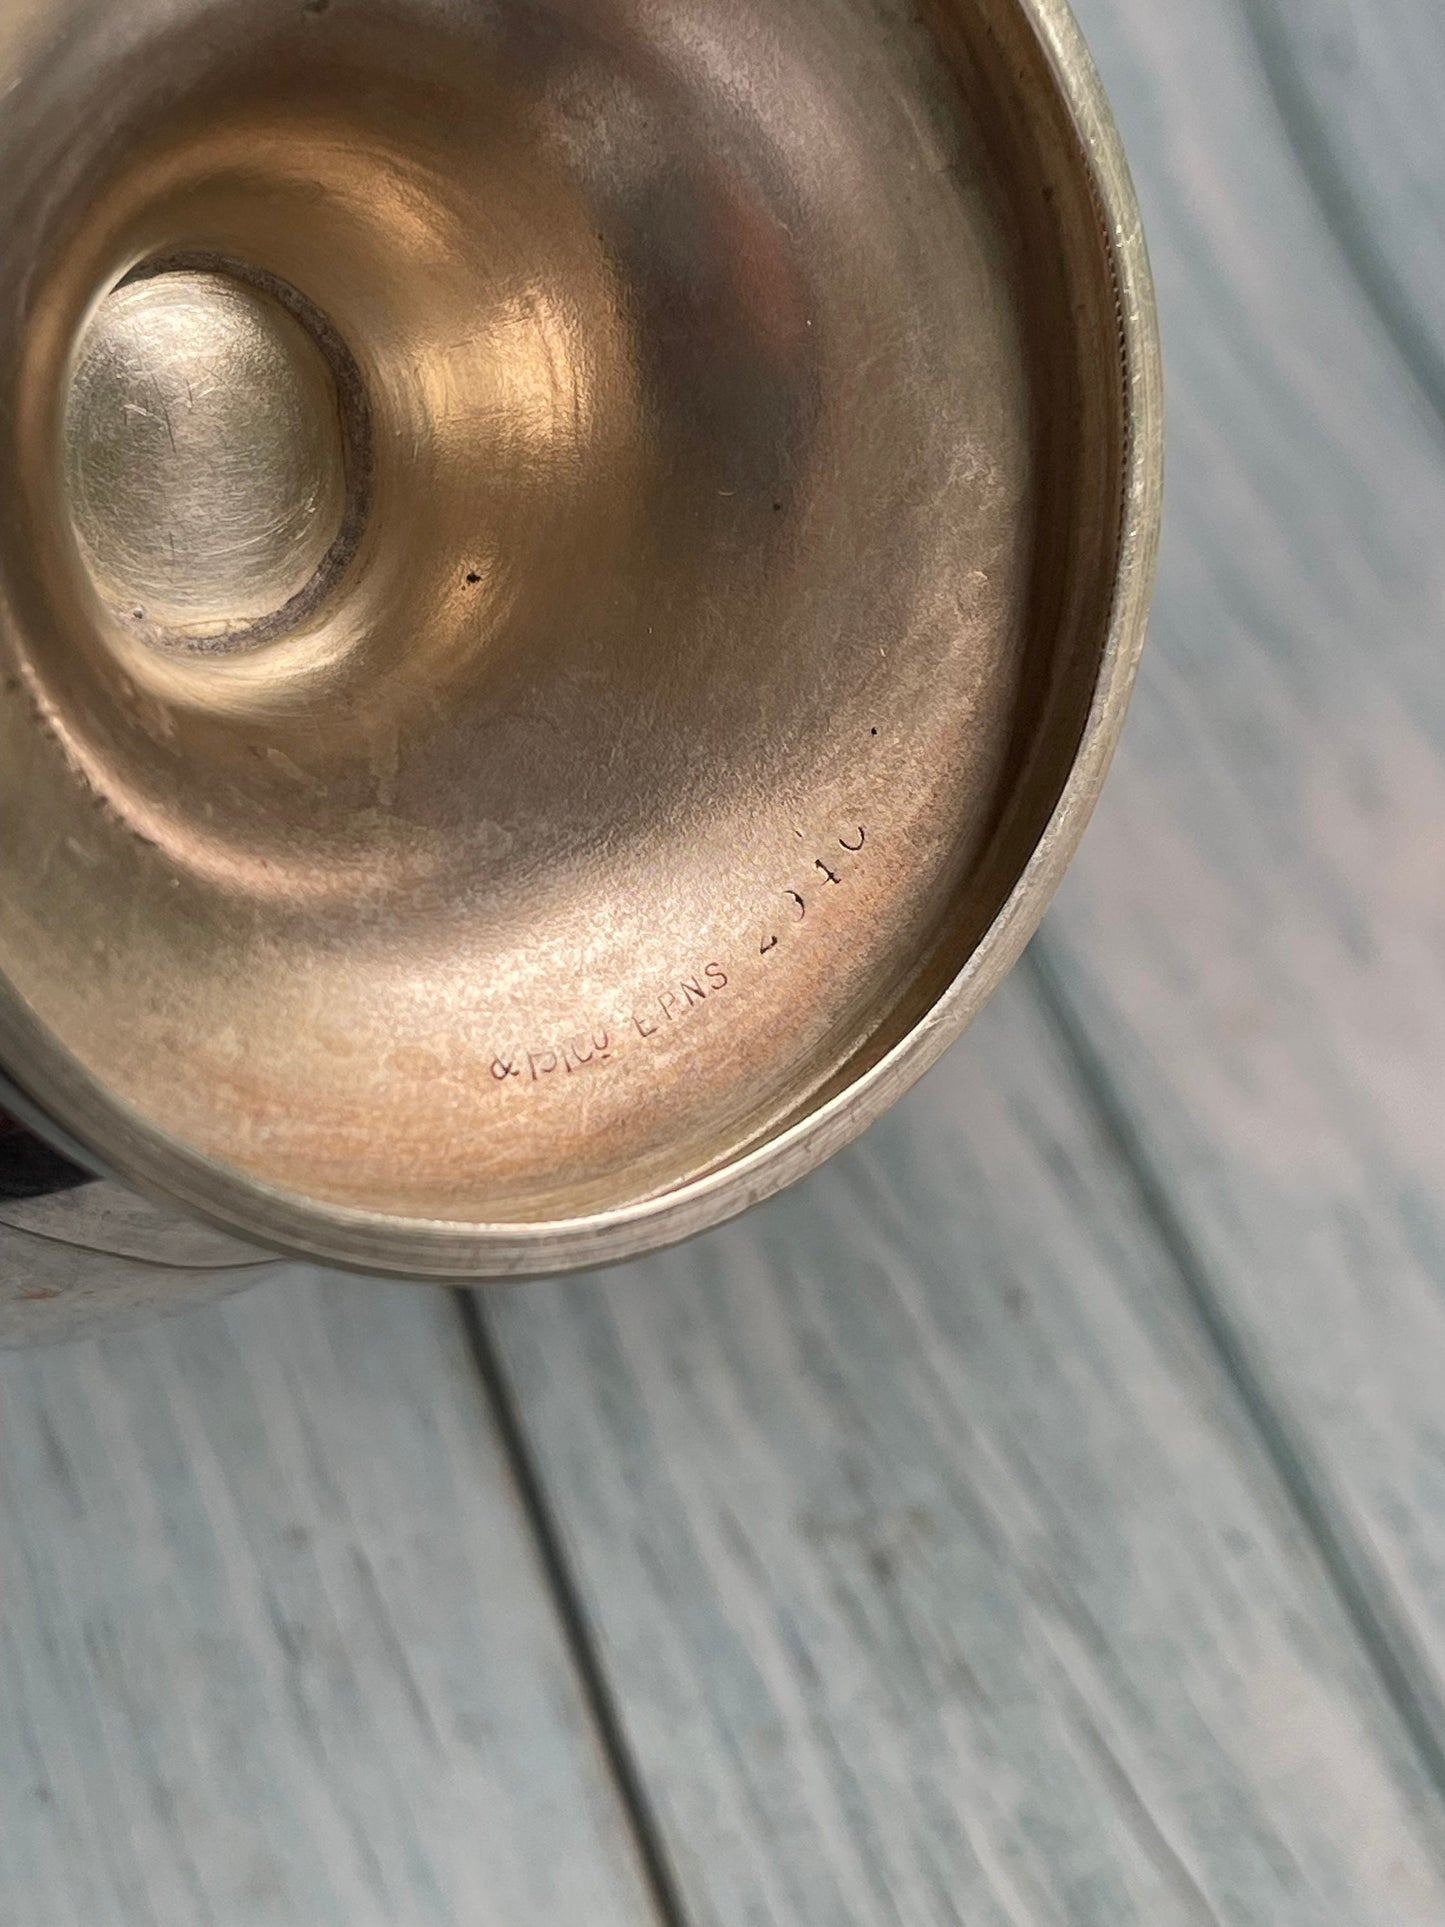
659	681
205	461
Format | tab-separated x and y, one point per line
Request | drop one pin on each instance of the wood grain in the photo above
275	1650
937	1572
1358	89
1252	947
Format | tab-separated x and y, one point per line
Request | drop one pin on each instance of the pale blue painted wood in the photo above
1359	89
1254	937
275	1650
1248	965
937	1572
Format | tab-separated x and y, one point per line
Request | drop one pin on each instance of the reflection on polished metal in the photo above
569	574
204	459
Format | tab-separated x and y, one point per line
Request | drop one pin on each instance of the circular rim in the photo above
423	1248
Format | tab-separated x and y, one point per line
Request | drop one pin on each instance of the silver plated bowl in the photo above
569	574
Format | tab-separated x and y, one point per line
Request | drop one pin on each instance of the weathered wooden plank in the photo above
1359	89
1254	939
274	1647
937	1574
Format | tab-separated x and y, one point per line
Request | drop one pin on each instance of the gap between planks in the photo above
628	1781
1361	1587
